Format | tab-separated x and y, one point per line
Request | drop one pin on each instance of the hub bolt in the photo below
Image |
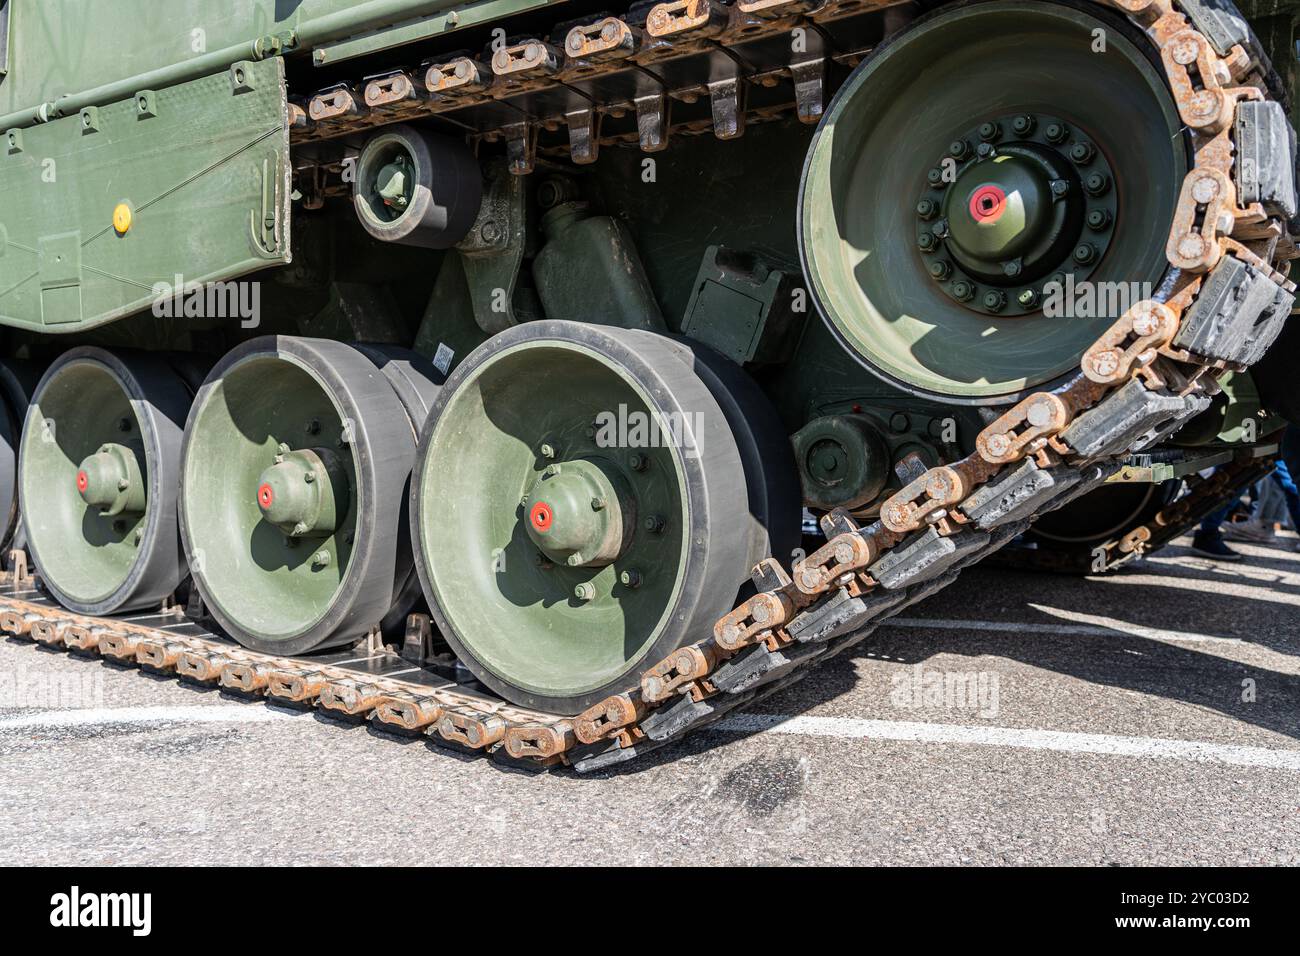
1097	184
935	178
959	149
321	559
638	462
940	269
597	504
1028	299
926	209
1099	219
1057	132
1024	125
1085	253
1081	153
990	131
986	151
585	591
1060	187
926	241
995	301
631	578
551	471
655	524
963	291
1011	269
899	422
547	450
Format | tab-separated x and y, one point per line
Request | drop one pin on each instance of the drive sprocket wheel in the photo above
974	185
583	503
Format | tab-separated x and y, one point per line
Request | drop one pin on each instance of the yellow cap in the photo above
122	218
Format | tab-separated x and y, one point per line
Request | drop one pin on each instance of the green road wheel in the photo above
98	473
581	506
297	454
987	192
18	381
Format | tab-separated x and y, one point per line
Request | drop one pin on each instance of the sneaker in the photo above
1214	548
1252	530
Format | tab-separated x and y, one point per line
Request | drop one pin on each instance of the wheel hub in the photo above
393	185
110	480
1000	221
304	492
577	514
996	99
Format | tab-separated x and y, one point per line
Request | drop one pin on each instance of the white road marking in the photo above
103	716
1090	625
1108	744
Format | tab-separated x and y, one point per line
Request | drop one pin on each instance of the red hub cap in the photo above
265	496
987	204
541	516
83	482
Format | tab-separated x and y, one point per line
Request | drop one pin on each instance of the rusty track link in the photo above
1156	368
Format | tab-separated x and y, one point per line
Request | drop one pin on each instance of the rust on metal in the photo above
408	711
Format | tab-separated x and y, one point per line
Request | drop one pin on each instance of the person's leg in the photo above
1208	539
1283	478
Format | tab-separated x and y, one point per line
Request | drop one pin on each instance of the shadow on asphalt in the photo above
1188	673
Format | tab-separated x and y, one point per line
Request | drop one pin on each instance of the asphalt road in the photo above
1147	717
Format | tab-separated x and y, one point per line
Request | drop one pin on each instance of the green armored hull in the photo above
588	374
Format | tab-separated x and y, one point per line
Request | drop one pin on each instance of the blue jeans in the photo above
1212	522
1282	478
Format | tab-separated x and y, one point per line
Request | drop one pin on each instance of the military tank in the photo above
552	380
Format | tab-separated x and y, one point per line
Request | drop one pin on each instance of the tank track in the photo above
1224	302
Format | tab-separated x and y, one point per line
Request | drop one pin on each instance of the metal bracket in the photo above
521	147
726	99
417	644
584	135
809	89
652	121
